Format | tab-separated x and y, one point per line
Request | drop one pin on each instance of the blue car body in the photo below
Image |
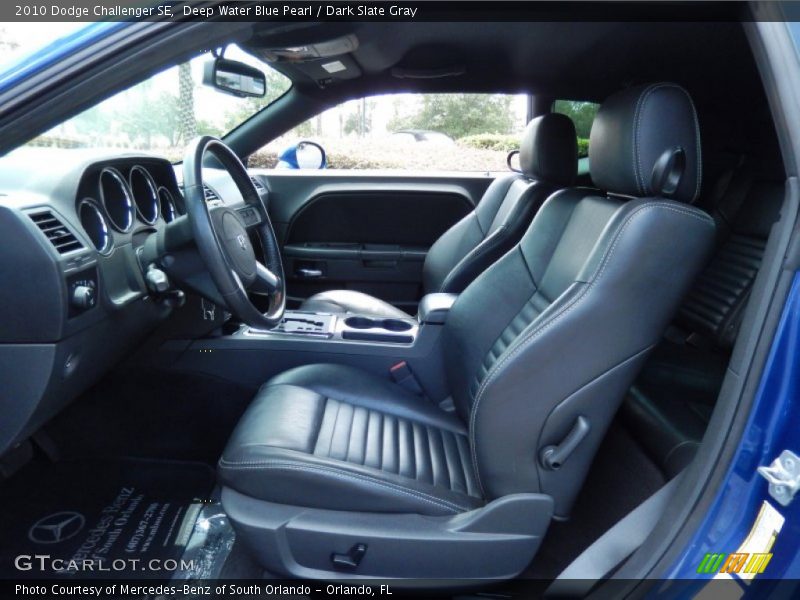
772	428
34	63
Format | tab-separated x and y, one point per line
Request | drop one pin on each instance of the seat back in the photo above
558	328
745	211
548	161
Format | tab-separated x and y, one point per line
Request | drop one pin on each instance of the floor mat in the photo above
128	515
153	414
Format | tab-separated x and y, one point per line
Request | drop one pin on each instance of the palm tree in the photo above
186	121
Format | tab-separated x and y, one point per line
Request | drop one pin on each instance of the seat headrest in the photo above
645	141
549	149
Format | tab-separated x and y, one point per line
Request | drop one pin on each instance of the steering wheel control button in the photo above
249	216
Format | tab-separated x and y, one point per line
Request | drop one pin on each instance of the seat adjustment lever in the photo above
351	558
552	457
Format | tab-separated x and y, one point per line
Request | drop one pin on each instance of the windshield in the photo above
159	115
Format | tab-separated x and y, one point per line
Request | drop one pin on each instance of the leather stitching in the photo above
636	159
641	184
245	465
545	325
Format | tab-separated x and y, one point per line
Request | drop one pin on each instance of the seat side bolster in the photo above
286	476
506	231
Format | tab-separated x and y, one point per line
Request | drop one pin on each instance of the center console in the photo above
251	356
342	327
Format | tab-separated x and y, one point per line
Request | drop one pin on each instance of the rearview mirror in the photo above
235	78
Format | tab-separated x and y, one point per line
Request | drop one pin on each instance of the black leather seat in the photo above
548	338
671	402
369	445
548	160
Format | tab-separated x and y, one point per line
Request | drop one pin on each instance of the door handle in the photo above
309	273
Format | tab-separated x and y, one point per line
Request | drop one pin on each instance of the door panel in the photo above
365	232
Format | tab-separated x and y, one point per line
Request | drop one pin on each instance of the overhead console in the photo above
298	53
322	61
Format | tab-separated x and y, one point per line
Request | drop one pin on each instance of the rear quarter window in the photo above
582	114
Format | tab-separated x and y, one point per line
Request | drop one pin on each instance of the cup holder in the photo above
367	323
360	322
395	325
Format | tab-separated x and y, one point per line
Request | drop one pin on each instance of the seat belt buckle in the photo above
402	375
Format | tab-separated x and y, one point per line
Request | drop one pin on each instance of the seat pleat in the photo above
749	241
374	440
435	454
429	455
724	282
390	455
464	460
423	460
452	461
325	435
405	449
358	433
721	290
707	310
341	432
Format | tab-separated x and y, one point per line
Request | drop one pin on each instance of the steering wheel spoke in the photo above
265	282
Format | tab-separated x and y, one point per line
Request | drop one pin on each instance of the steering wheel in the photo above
221	234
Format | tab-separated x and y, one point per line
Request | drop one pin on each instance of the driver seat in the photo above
335	472
548	159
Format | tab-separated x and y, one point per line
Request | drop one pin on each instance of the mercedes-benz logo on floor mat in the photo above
56	528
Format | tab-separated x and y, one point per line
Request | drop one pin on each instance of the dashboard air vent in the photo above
259	186
211	195
62	238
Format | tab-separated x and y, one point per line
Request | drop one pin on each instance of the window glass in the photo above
163	113
412	132
582	114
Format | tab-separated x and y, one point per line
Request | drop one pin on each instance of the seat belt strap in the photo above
612	548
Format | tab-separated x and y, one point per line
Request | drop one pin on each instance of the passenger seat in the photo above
549	161
669	406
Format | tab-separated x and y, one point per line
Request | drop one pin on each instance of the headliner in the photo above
577	60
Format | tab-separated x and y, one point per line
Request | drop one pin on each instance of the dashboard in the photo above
75	296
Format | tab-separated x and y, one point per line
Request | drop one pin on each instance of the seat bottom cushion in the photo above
339	438
349	301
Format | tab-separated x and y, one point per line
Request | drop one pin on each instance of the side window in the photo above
412	132
582	114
